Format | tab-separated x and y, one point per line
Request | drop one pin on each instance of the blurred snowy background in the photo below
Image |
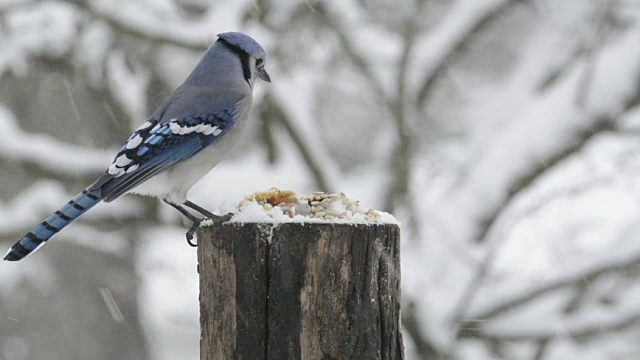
504	134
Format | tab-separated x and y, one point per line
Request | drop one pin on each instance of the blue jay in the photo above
189	134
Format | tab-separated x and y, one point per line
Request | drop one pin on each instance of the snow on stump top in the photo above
300	277
285	206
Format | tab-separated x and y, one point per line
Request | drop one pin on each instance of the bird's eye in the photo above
259	63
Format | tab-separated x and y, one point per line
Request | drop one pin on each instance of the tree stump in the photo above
299	291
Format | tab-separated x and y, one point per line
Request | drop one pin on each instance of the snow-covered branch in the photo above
32	30
321	165
555	128
583	325
442	43
50	154
132	20
620	260
334	22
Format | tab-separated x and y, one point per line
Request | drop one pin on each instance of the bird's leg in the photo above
207	213
196	222
201	210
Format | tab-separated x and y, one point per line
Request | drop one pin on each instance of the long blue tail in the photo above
54	223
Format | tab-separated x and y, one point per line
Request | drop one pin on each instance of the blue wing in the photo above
158	145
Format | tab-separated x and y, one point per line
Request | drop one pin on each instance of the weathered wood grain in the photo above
300	291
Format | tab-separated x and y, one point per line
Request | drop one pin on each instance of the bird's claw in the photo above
192	230
196	225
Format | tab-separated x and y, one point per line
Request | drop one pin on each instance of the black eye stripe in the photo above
244	59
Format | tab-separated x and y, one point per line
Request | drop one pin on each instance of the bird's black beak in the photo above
262	74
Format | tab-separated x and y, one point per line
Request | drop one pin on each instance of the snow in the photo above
40	274
194	33
302	120
111	242
586	323
92	49
559	233
433	48
378	47
618	346
285	206
549	122
169	293
613	79
46	152
581	267
531	127
128	87
111	304
46	29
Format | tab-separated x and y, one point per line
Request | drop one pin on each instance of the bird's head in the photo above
252	55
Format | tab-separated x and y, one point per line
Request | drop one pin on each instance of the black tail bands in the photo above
54	223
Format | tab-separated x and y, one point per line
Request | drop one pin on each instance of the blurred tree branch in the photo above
620	263
397	191
495	245
580	327
272	112
333	22
601	125
411	324
458	42
160	32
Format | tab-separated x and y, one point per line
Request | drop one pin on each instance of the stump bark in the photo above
299	291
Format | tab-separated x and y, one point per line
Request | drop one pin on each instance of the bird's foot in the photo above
222	218
192	230
197	222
